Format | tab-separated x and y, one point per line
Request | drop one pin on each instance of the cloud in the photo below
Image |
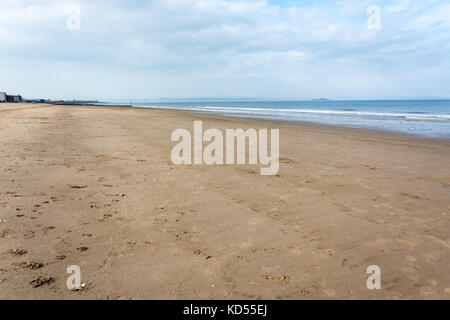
177	48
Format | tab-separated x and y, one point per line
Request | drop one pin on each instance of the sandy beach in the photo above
95	187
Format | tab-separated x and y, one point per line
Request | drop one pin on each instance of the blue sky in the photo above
219	48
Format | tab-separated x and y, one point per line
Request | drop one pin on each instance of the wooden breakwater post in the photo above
91	105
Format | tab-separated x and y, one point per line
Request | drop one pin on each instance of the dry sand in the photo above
95	187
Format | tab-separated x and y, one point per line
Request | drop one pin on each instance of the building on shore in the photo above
10	98
17	98
3	97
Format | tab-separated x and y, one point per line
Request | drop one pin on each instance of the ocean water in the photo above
429	118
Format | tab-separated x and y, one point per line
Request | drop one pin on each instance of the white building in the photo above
2	96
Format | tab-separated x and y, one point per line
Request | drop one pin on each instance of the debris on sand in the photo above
41	281
82	249
61	257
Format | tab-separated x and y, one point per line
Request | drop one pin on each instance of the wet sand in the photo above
95	187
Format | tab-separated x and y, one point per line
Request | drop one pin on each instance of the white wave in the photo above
290	112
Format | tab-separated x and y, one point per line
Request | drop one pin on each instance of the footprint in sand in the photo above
41	281
330	292
286	160
17	252
30	265
304	292
268	276
29	234
4	233
412	196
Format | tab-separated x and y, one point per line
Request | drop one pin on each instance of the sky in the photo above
275	49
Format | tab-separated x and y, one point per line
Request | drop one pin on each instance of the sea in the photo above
429	118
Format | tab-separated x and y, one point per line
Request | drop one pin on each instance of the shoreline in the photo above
95	187
310	123
295	122
299	122
397	120
281	121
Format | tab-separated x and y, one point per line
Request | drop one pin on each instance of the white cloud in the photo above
164	44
